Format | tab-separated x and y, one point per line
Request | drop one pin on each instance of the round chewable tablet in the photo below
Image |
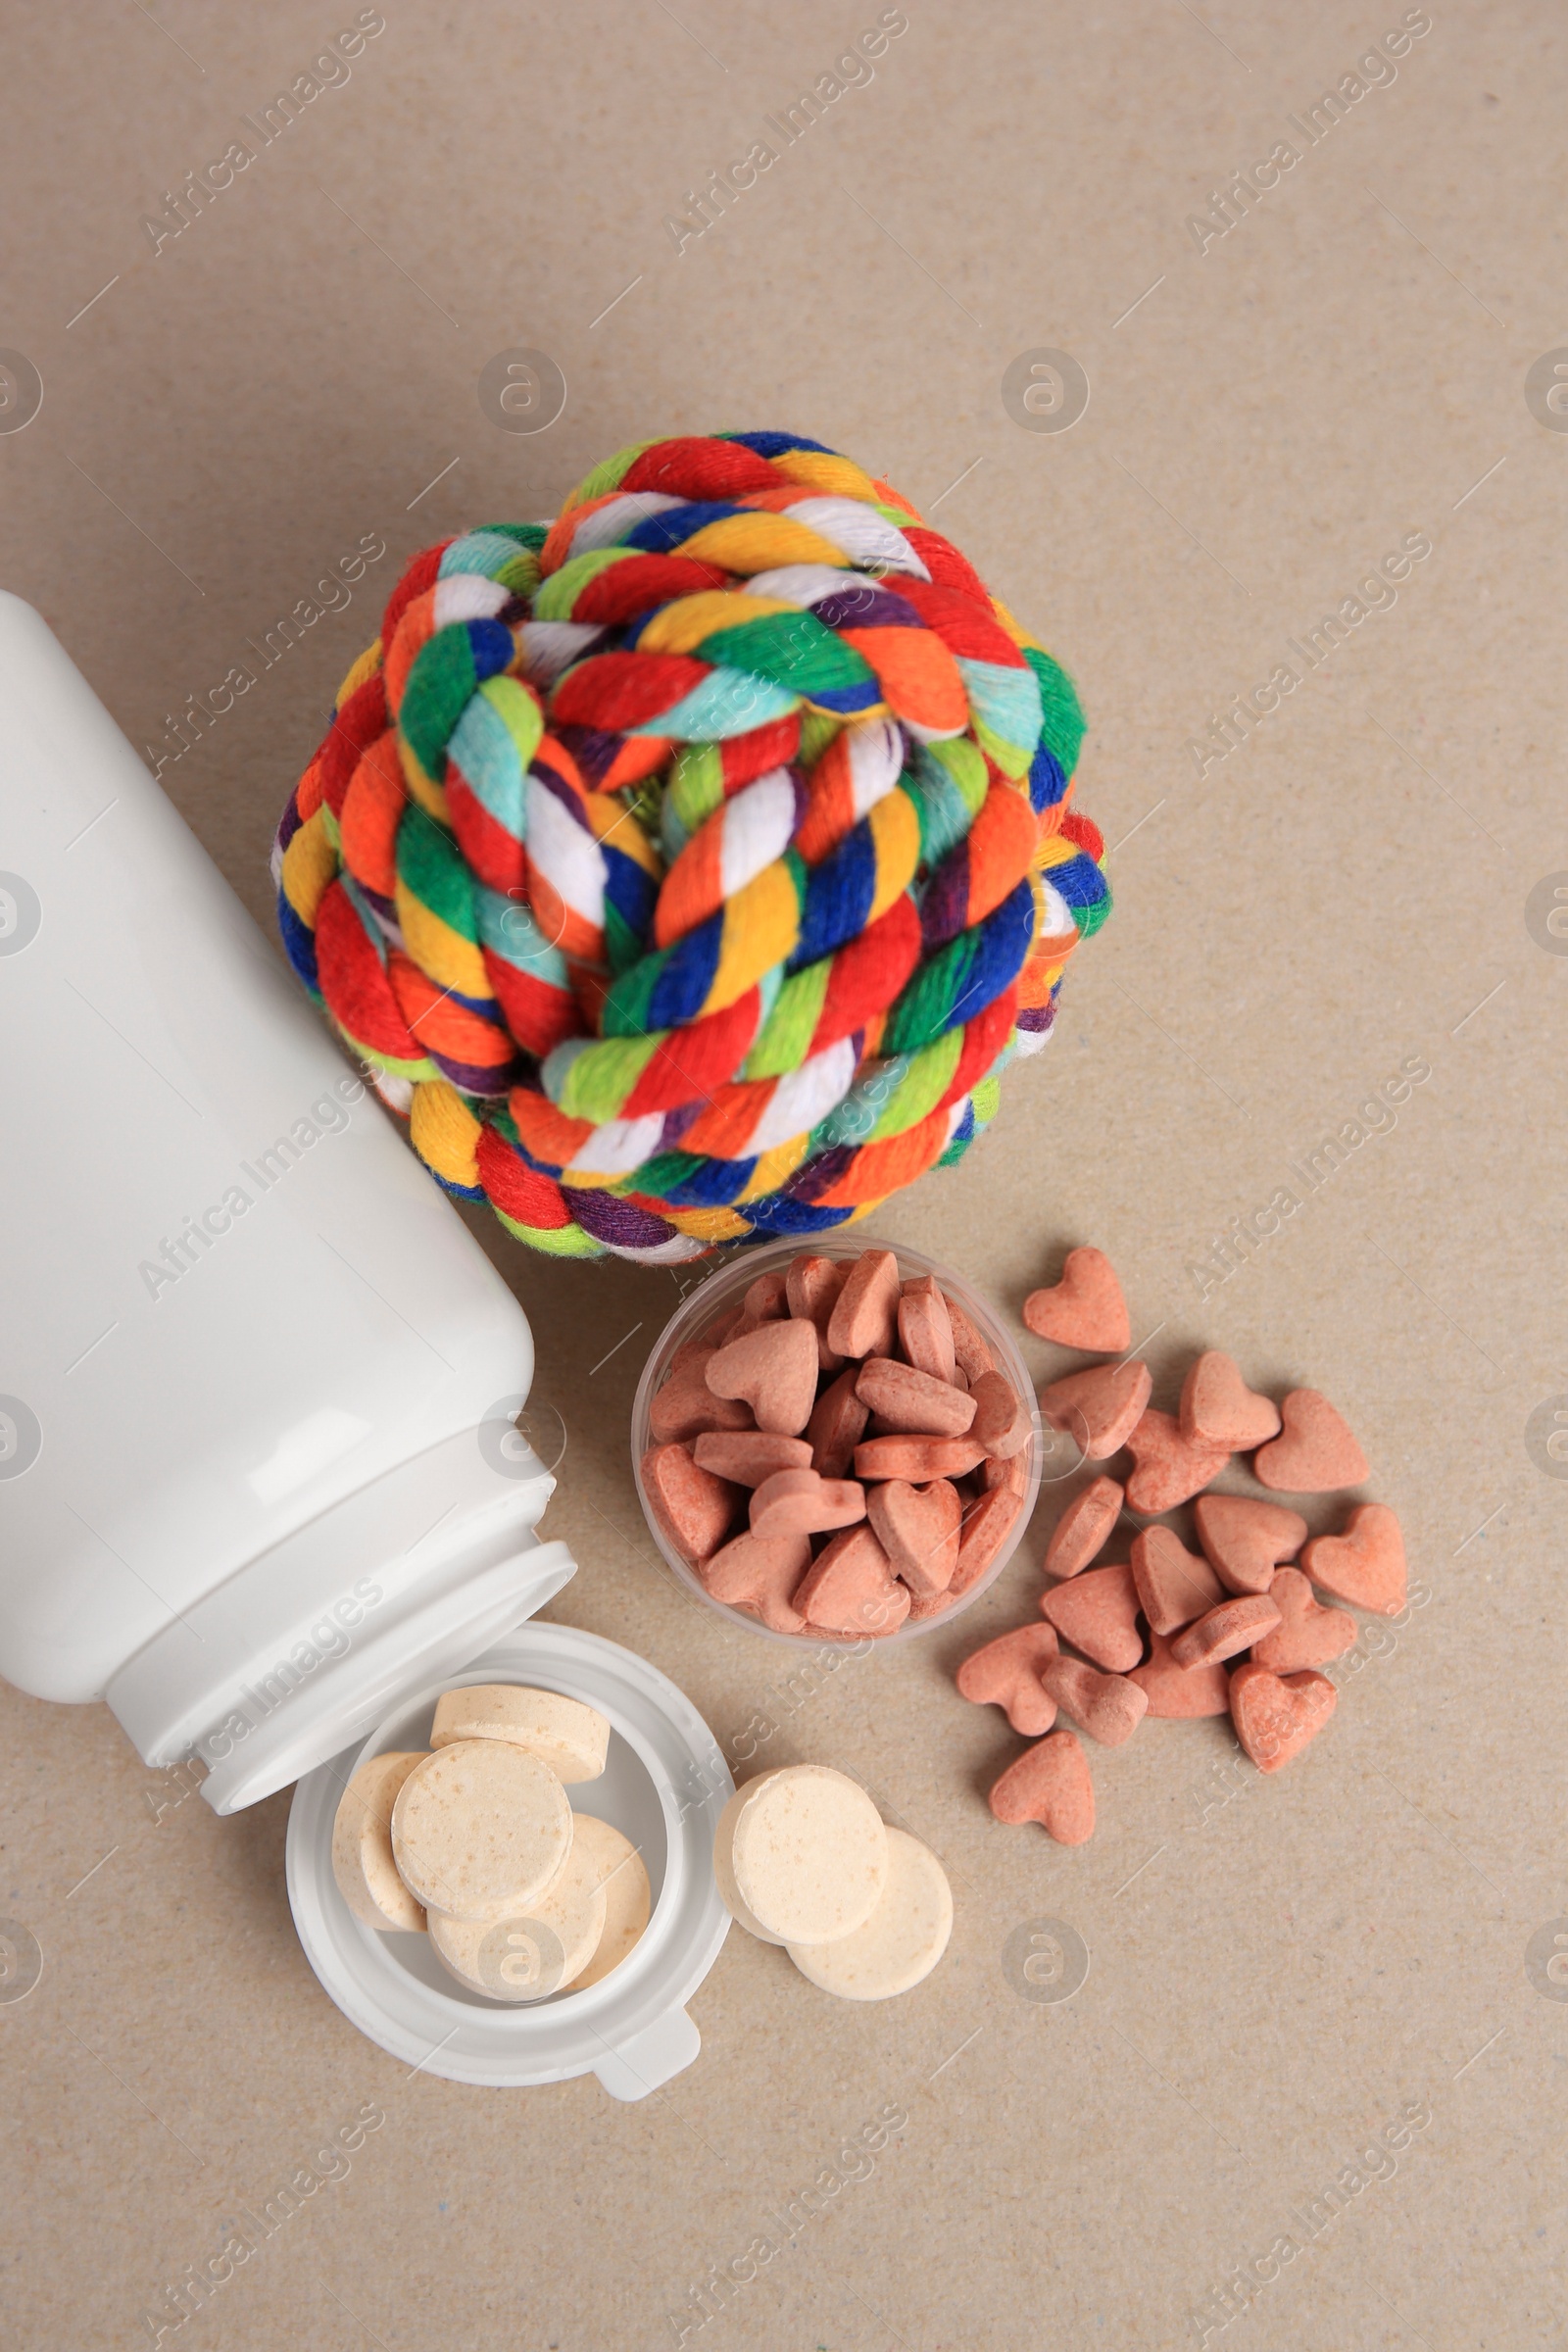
480	1827
532	1950
902	1942
627	1897
810	1854
562	1732
361	1846
724	1864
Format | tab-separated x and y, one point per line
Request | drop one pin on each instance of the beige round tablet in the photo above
531	1950
724	1862
361	1846
480	1827
902	1942
628	1898
810	1854
562	1732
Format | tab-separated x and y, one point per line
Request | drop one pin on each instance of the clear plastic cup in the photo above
722	1290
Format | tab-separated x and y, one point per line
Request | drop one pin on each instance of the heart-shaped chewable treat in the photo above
1099	1408
749	1455
1276	1715
1006	1674
1109	1707
1011	1473
759	1576
1307	1634
1220	1409
1315	1450
693	1508
1086	1308
811	1290
851	1588
987	1525
836	1425
925	1333
773	1370
1174	1585
1234	1624
865	1314
1171	1467
1050	1783
802	1502
1002	1423
1180	1691
1098	1613
1246	1540
1365	1564
1084	1527
917	1527
912	1404
916	1458
970	1352
765	1301
686	1406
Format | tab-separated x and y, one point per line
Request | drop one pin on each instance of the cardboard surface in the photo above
1279	1970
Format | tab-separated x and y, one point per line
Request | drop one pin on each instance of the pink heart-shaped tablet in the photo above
811	1290
849	1588
764	1302
773	1370
1365	1563
1171	1467
836	1425
1219	1409
916	1458
1315	1450
1011	1473
749	1455
1098	1612
1225	1629
987	1522
1084	1527
802	1502
1276	1715
1246	1539
1109	1707
686	1408
1181	1692
971	1353
759	1576
1006	1674
925	1333
1099	1408
1050	1783
1174	1585
693	1508
1084	1309
918	1527
912	1404
865	1320
1308	1634
1003	1422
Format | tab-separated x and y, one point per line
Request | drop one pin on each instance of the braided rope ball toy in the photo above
690	866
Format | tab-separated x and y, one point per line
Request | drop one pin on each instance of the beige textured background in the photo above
1278	1969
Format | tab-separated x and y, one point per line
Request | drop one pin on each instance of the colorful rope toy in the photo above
689	867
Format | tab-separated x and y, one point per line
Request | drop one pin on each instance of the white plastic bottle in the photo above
257	1468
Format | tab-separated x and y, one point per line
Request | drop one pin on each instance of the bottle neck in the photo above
302	1649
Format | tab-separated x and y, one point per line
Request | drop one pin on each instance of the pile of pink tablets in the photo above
1152	1634
840	1453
